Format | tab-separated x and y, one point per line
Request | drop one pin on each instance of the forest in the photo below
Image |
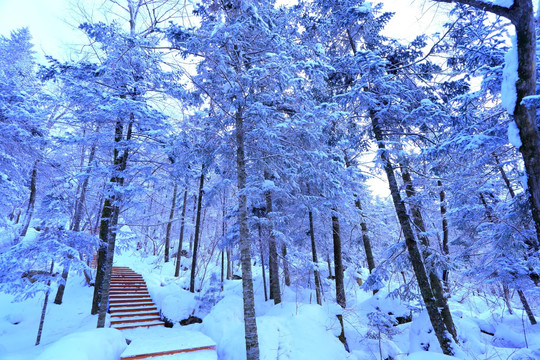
285	179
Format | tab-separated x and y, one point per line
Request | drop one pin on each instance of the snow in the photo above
175	303
423	355
19	320
296	329
97	344
531	100
513	134
288	330
160	339
510	76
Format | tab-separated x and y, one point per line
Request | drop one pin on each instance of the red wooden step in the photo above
128	292
135	319
124	295
129	283
171	352
130	301
131	310
142	313
134	326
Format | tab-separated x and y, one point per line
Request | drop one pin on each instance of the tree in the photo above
521	15
22	126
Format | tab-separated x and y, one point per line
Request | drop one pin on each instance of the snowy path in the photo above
133	311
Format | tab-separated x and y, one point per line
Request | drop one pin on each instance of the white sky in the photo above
49	20
46	20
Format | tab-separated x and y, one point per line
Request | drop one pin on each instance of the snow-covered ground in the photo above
296	329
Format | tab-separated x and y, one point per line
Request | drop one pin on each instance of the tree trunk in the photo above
506	297
505	178
367	242
102	254
338	262
533	275
31	201
62	286
330	276
169	224
262	264
229	263
414	253
286	273
250	323
197	233
222	268
435	282
273	264
193	221
315	260
44	309
76	224
445	248
181	239
526	306
223	231
77	216
109	221
107	268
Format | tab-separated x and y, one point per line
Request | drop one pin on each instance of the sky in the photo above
46	20
54	29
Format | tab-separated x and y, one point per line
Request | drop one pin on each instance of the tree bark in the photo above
506	297
107	268
169	225
315	260
229	263
197	233
445	248
435	282
76	224
250	323
31	201
181	239
338	262
286	272
273	264
330	276
44	308
62	286
262	263
366	241
109	221
526	306
414	253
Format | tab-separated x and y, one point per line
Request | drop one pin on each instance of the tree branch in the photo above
482	5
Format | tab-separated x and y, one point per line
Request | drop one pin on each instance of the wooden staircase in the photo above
130	304
133	311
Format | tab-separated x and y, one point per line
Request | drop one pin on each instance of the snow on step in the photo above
175	343
123	315
127	296
133	308
132	300
134	318
129	288
139	325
